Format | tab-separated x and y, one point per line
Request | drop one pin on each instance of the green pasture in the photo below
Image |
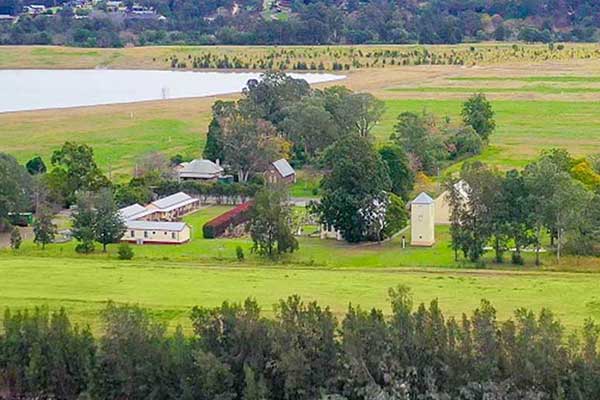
558	78
541	89
524	128
169	290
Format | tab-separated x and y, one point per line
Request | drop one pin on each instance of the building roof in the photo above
200	169
131	211
283	167
423	198
174	201
156	225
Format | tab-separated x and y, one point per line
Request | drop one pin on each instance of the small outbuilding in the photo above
204	170
422	221
280	171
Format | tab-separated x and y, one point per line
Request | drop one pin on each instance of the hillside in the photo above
122	23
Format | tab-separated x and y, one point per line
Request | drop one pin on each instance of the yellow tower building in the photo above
422	220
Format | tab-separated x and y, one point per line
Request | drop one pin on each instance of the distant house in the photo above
442	203
280	171
422	221
204	170
158	232
5	18
35	9
132	212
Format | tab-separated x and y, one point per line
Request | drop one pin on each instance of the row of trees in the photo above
310	22
303	352
555	198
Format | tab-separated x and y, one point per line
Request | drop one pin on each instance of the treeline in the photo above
310	22
553	203
303	352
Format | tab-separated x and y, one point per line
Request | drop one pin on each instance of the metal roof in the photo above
283	167
131	211
156	225
200	169
423	198
173	201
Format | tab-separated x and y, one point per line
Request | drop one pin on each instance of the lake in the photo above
22	90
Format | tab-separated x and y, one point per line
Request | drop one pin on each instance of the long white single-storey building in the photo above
158	222
159	232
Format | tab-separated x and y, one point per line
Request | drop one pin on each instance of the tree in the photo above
153	168
310	127
360	112
396	217
477	113
108	223
464	141
77	170
398	164
15	187
84	229
414	133
36	166
519	212
357	177
268	97
43	229
269	224
15	238
213	150
249	145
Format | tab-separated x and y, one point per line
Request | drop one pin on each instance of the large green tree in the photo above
415	134
108	225
75	170
402	176
357	178
477	112
270	222
15	187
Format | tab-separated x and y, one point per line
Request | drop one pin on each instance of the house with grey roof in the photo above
280	171
159	221
204	170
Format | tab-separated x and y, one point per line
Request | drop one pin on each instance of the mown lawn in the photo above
169	290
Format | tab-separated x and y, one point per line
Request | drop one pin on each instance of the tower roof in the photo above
423	198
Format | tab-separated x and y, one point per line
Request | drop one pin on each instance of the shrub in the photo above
239	253
517	259
234	217
15	239
125	251
85	248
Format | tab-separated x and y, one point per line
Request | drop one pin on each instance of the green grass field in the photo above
169	290
524	128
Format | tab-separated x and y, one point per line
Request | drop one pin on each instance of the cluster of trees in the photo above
431	144
303	352
280	116
555	198
310	22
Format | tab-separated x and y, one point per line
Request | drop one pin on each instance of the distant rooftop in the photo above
174	201
423	198
201	169
131	211
156	225
283	167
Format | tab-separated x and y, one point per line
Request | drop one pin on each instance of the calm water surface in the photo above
39	89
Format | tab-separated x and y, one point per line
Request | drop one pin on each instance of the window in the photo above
146	234
132	233
173	235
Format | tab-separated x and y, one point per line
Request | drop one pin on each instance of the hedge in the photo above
234	217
